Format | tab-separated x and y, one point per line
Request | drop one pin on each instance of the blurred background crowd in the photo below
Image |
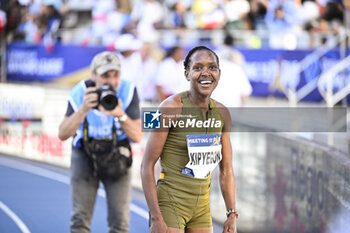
288	24
140	30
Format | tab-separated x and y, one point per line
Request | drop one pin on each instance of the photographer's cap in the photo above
104	62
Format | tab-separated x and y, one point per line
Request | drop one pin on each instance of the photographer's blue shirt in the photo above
100	124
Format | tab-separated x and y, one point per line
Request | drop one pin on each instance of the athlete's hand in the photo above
90	99
158	226
230	224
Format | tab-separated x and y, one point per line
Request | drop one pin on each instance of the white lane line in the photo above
141	212
134	208
35	170
62	179
14	218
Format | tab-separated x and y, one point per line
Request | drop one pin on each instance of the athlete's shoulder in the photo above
173	101
219	104
224	111
171	105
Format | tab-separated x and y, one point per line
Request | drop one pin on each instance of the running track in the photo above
35	198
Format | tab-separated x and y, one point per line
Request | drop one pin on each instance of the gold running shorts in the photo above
184	203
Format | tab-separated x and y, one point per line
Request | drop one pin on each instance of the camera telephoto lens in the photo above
108	98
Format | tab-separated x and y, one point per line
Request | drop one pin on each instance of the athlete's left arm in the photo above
227	178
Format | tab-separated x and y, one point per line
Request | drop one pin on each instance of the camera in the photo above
106	96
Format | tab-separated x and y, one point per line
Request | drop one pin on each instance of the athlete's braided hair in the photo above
195	49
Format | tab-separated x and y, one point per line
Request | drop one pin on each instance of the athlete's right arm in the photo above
153	151
71	123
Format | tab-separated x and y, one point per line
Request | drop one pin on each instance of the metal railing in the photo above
327	91
3	67
294	96
188	37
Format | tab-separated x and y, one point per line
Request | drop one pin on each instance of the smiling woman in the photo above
184	185
202	67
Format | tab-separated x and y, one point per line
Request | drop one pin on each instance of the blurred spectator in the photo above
327	26
2	21
347	14
35	7
331	22
310	11
49	22
127	45
14	17
3	4
56	4
233	88
29	29
100	24
40	21
290	23
283	20
256	15
146	81
170	77
147	17
228	52
332	16
109	19
138	65
208	14
178	18
178	15
117	20
124	6
236	12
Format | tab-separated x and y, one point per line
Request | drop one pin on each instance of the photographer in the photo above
102	122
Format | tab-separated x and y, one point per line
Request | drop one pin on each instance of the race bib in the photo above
204	152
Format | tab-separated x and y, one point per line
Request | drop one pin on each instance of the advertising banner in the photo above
270	72
28	123
29	63
307	190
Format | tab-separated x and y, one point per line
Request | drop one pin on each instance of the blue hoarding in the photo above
269	71
33	63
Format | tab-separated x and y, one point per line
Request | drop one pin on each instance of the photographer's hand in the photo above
70	124
116	112
90	99
131	127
